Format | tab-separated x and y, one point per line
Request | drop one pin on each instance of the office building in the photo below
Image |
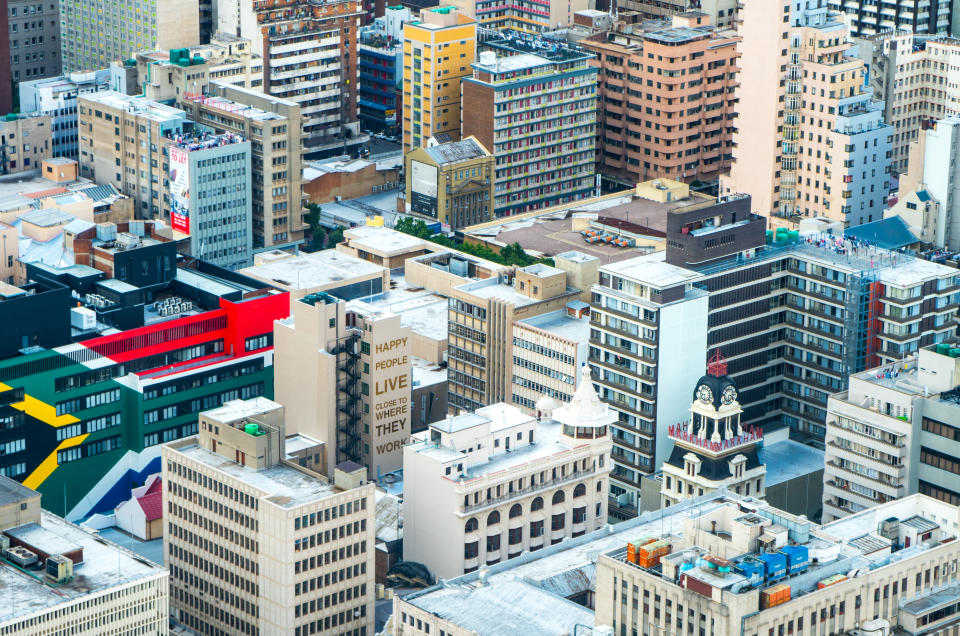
711	449
95	34
356	359
530	17
6	77
894	433
466	510
25	141
58	577
380	70
648	134
793	316
908	73
451	183
742	567
723	13
548	353
210	197
916	16
273	126
535	109
300	548
309	57
816	145
437	53
122	142
57	97
34	33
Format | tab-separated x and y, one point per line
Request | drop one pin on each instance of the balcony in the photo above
529	490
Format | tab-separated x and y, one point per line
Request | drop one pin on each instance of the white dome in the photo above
546	405
585	408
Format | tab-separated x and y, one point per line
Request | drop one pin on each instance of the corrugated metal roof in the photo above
890	233
456	151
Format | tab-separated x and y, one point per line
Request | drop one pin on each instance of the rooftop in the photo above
891	233
204	140
383	240
310	271
653	270
105	566
493	288
560	323
424	311
457	151
141	106
241	110
788	459
13	491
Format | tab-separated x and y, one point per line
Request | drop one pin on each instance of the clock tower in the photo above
713	450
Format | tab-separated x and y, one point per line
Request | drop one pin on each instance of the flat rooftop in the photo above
456	151
141	106
13	491
788	459
312	271
241	110
560	323
422	310
384	240
652	269
280	485
492	288
105	566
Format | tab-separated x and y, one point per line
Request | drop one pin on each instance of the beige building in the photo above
886	566
530	17
342	370
25	141
383	246
479	488
256	541
59	578
332	271
273	126
548	351
895	432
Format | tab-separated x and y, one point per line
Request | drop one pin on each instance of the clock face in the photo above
729	395
705	394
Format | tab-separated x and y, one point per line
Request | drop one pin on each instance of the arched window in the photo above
516	510
472	525
580	490
600	486
558	497
536	504
493	517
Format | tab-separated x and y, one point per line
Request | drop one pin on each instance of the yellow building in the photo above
437	53
451	183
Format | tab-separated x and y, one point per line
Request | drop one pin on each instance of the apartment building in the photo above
793	317
122	142
480	329
380	71
356	360
451	183
95	33
273	127
535	109
6	77
743	567
666	102
34	33
893	433
178	74
532	17
57	98
459	507
548	352
25	141
300	547
911	74
816	144
438	51
59	577
210	197
309	52
916	16
723	13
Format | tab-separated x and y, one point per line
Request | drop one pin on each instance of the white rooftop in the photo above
141	106
653	270
423	311
560	323
514	63
311	271
383	240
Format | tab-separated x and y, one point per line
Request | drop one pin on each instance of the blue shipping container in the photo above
753	570
797	557
775	565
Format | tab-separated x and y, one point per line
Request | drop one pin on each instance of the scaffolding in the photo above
347	352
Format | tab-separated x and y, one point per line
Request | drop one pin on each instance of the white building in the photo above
933	163
895	432
483	487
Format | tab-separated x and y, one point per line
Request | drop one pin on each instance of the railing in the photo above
539	488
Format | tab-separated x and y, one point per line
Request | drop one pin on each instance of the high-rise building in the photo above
256	541
210	197
309	52
535	109
451	183
437	53
738	566
6	77
794	318
917	16
678	125
356	360
529	17
910	74
894	432
25	141
95	33
467	510
273	126
58	577
723	13
810	142
57	97
34	30
380	72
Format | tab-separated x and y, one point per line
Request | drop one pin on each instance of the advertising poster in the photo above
180	190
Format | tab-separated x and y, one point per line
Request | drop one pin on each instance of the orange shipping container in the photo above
774	595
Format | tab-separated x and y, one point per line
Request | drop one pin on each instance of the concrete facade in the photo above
548	352
25	141
870	18
460	177
936	210
34	39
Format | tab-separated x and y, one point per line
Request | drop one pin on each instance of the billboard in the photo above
423	188
180	190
